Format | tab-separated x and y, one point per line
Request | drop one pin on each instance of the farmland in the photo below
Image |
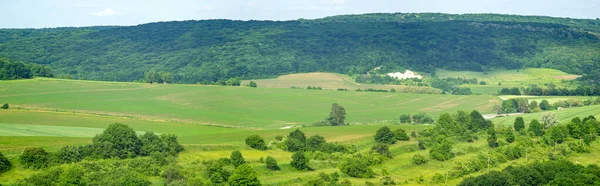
211	121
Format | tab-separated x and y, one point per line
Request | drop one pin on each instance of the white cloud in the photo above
106	12
333	2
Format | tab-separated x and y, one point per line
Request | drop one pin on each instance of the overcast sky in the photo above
61	13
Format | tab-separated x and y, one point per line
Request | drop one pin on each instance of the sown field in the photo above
509	78
330	81
563	116
224	106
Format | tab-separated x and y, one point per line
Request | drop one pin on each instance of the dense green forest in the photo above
10	70
216	50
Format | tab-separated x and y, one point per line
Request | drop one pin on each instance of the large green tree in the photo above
337	115
118	141
519	124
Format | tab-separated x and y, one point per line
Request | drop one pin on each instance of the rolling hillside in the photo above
209	51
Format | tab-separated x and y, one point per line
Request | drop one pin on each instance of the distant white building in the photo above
406	75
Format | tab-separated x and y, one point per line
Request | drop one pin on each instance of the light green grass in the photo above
563	116
522	77
227	106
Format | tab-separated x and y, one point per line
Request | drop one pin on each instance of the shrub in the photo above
383	149
385	135
5	106
173	146
69	154
401	135
519	124
315	142
118	140
252	84
152	143
172	174
5	165
237	159
356	167
417	159
299	161
244	175
271	163
256	142
34	157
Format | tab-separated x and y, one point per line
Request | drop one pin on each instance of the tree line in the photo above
11	70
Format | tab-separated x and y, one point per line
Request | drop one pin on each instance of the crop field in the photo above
329	81
211	121
224	106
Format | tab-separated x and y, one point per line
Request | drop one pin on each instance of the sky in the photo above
77	13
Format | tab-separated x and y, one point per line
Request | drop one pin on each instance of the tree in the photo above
271	163
256	142
237	159
492	139
152	77
296	141
405	118
385	135
173	146
5	106
401	135
477	121
536	128
419	160
299	161
337	115
545	105
549	119
233	82
519	124
34	157
510	137
152	143
445	124
463	119
533	105
118	140
172	174
244	176
297	134
5	165
252	84
69	154
315	142
441	148
382	149
356	167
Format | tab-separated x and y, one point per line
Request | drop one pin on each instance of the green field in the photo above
224	106
499	79
211	121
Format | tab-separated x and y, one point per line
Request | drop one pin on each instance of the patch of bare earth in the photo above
567	77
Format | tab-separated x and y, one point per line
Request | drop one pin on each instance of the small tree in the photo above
419	160
356	167
519	124
536	128
405	118
441	148
236	158
549	119
256	142
510	137
271	163
385	135
5	165
299	161
118	140
34	157
383	149
401	135
315	143
337	115
492	139
152	143
5	106
252	84
545	105
244	175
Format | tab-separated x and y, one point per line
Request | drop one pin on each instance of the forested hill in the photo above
211	50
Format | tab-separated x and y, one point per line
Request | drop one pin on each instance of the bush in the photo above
117	141
69	154
5	165
356	167
5	106
256	142
34	157
299	161
419	160
173	146
244	175
383	149
519	124
172	174
271	163
237	159
215	171
401	135
152	143
252	84
385	135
